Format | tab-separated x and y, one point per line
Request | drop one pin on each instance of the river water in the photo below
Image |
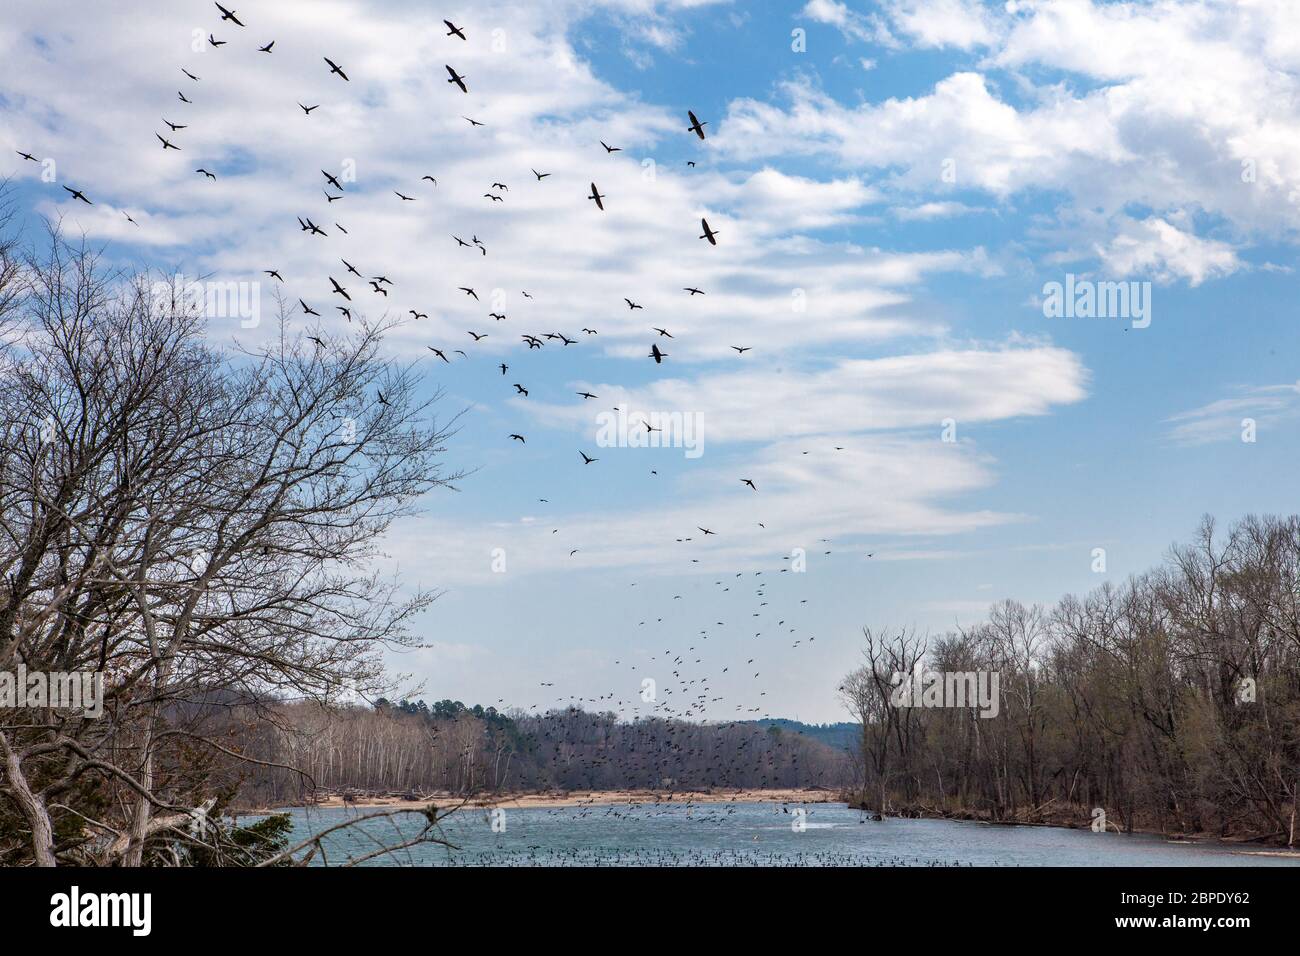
748	834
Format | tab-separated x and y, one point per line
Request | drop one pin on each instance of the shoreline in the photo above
571	798
1082	820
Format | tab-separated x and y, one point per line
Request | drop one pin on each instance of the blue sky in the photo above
1107	140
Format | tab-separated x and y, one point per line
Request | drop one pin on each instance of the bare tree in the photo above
198	527
1171	700
867	692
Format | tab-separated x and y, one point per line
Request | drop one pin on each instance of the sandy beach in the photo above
577	798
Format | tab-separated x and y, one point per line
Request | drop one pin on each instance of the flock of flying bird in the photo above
699	696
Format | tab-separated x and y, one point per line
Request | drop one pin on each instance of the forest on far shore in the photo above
412	748
1167	702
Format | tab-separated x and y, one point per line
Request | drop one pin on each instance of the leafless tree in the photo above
1171	700
198	526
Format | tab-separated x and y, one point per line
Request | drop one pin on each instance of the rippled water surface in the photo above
745	834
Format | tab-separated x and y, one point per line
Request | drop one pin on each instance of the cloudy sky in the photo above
893	184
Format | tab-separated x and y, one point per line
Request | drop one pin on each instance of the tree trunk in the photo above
38	818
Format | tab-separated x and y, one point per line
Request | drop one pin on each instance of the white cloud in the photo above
934	210
963	24
877	485
1223	419
1158	249
906	391
853	25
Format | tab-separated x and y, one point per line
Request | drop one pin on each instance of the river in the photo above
748	834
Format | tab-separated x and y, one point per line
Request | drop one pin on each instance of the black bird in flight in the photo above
330	198
174	126
339	289
430	178
308	109
29	156
611	149
273	274
540	176
314	229
693	291
380	289
520	390
334	68
705	530
167	145
664	333
351	268
402	197
696	126
306	309
748	482
631	304
206	173
519	438
438	352
741	350
708	233
78	194
228	15
477	335
657	355
332	181
468	291
453	30
503	366
215	42
461	242
382	400
459	81
417	316
182	96
472	122
188	73
347	313
586	394
267	48
501	186
596	195
587	459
